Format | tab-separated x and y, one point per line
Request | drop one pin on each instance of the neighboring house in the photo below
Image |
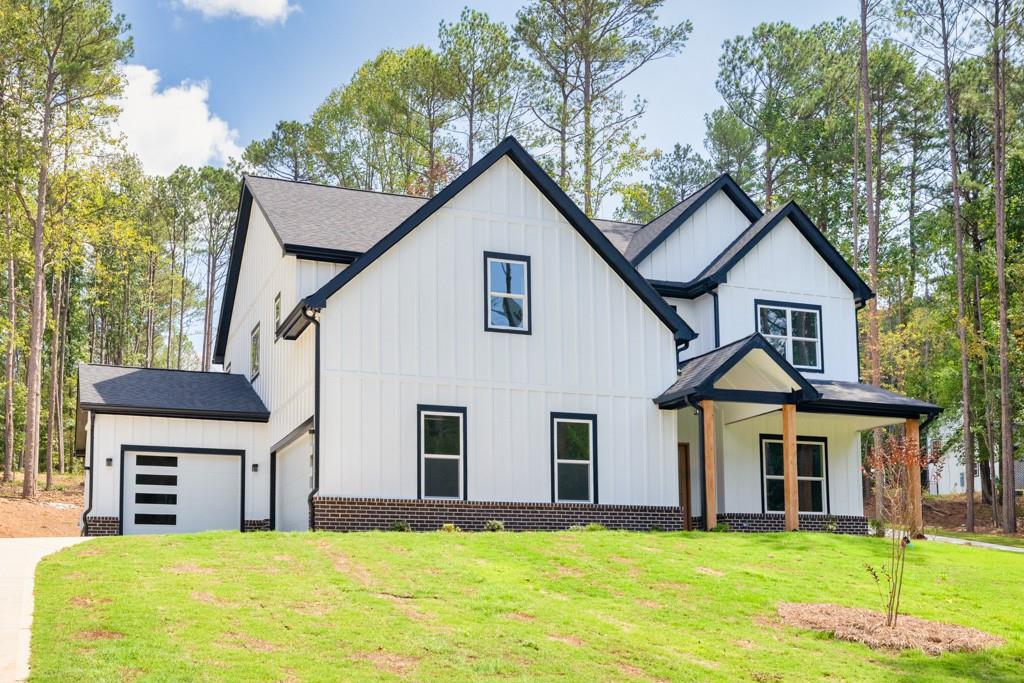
491	353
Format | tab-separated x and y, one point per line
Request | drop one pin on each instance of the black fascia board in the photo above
725	183
510	147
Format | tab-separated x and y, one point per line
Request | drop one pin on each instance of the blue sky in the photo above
224	78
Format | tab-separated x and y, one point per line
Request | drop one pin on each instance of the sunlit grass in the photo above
589	606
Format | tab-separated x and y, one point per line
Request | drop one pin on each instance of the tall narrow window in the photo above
277	314
254	352
507	295
811	474
442	442
794	330
574	452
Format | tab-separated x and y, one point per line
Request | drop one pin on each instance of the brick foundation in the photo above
367	514
754	521
102	526
256	525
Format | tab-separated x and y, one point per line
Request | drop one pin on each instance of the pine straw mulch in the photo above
866	626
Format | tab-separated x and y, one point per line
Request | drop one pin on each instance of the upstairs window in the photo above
442	440
507	293
254	353
277	313
794	330
574	451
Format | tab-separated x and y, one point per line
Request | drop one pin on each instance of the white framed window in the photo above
506	293
254	353
811	474
574	458
442	452
794	330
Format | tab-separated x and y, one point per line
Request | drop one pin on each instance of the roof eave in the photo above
181	413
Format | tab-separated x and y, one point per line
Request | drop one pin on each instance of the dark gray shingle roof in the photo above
329	217
837	393
339	218
695	372
151	391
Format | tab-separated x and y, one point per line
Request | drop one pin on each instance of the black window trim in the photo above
520	258
823	440
578	417
422	408
769	303
254	334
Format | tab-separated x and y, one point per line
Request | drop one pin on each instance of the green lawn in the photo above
998	539
589	606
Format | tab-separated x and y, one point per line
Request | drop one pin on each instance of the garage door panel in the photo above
293	481
181	492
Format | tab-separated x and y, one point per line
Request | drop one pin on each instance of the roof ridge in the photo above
337	187
686	198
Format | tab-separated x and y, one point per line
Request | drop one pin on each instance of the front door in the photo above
684	485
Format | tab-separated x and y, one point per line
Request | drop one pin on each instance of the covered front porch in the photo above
764	449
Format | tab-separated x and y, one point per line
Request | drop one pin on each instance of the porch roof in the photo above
707	377
854	398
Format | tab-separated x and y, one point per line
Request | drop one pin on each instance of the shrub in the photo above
576	527
877	527
831	525
400	525
494	525
594	526
450	528
721	527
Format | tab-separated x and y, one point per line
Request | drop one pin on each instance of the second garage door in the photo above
181	492
294	481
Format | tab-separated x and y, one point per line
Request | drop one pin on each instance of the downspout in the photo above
92	461
311	316
703	478
714	297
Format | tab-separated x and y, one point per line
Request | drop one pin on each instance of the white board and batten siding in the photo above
285	381
783	266
695	243
115	431
409	330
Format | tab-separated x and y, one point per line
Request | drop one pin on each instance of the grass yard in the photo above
1016	541
589	606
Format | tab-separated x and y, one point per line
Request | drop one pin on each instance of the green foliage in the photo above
400	525
494	525
449	528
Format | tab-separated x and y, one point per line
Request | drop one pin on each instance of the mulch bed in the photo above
866	626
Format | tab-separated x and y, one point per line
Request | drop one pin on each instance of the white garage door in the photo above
294	481
181	492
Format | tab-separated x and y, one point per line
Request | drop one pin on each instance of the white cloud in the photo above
263	11
173	126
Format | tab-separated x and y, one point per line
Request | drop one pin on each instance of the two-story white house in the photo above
492	353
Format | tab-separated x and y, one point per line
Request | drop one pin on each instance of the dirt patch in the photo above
744	644
83	601
649	604
563	571
866	626
190	568
99	634
707	571
244	641
950	512
388	661
631	671
568	640
20	518
346	565
521	616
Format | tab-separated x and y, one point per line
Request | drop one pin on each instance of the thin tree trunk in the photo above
211	273
999	167
12	326
63	324
869	203
150	308
181	302
51	417
958	228
855	197
37	315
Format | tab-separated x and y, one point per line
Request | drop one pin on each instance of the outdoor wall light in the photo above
110	462
255	467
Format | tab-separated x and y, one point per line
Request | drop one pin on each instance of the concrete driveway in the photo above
18	560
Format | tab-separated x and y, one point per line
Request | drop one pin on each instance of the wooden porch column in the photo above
792	493
710	510
914	479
